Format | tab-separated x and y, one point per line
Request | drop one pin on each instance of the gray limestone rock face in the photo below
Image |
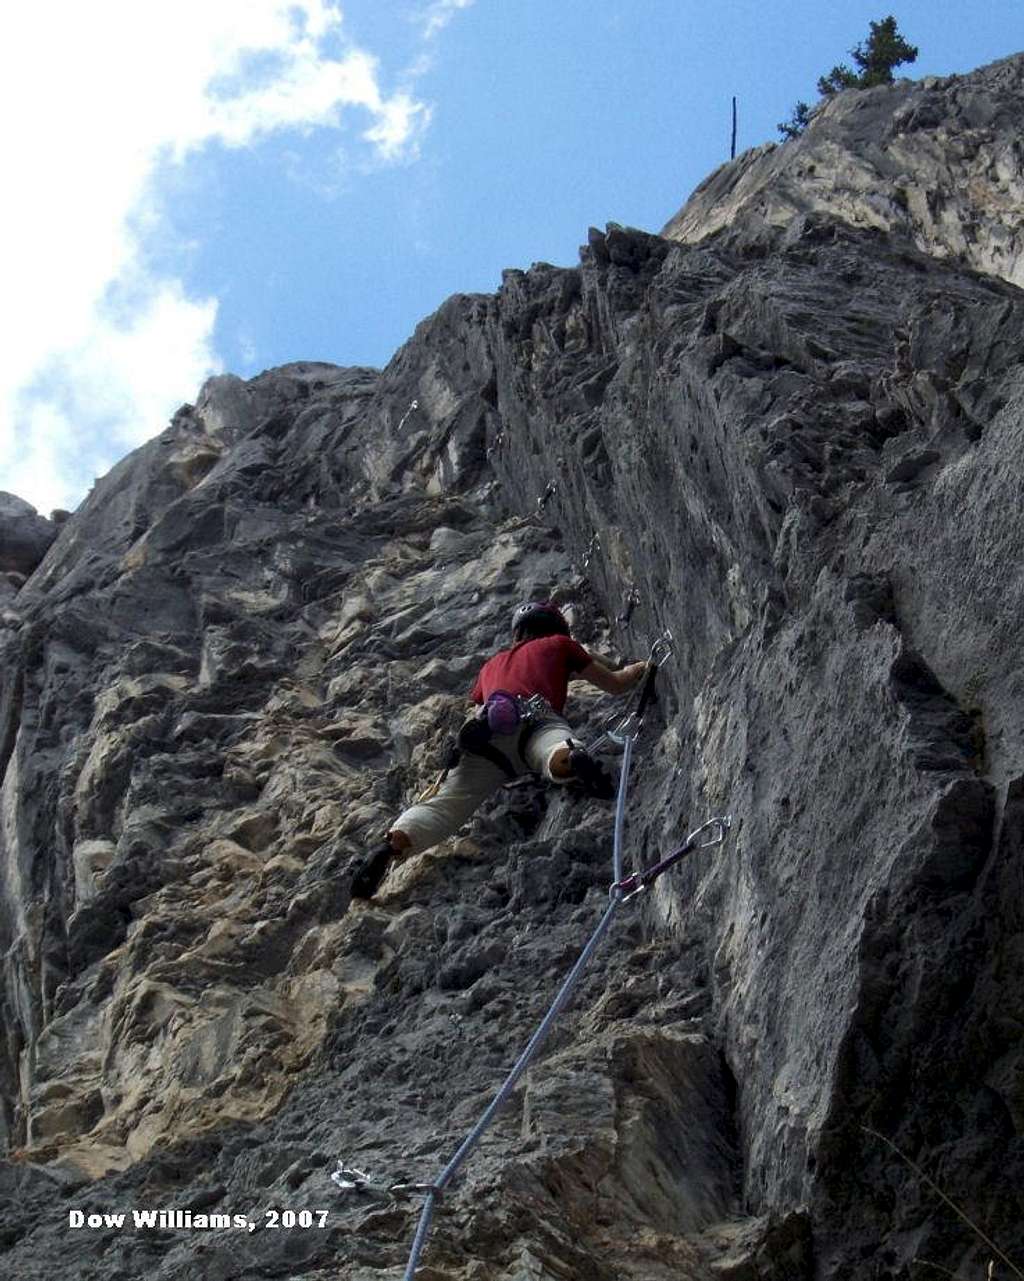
793	442
25	537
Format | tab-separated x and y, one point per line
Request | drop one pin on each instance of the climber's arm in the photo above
610	682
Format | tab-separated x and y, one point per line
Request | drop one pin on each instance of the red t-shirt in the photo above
543	665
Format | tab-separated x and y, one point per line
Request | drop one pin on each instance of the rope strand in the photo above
619	892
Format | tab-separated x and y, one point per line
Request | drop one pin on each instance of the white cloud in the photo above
92	402
438	14
99	351
397	123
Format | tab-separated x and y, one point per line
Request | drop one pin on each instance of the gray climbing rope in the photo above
501	1098
713	831
620	807
716	830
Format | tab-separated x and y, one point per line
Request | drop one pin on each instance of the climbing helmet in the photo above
538	618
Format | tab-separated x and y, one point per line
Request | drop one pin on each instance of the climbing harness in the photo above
709	834
513	711
621	728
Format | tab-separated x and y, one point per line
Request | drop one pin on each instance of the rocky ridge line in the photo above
938	161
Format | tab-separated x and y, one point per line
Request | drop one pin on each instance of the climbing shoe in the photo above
372	871
590	775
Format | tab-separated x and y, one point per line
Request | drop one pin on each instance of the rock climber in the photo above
506	737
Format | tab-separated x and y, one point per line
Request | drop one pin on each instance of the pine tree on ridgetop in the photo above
884	49
876	57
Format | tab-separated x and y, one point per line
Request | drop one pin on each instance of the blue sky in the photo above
234	184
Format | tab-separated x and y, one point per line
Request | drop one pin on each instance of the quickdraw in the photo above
414	405
632	600
547	495
630	886
348	1178
621	726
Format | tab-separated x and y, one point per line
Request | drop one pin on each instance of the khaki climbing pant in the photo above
468	785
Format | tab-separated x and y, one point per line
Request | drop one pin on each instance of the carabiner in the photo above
721	828
348	1177
662	649
402	1190
629	887
628	726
